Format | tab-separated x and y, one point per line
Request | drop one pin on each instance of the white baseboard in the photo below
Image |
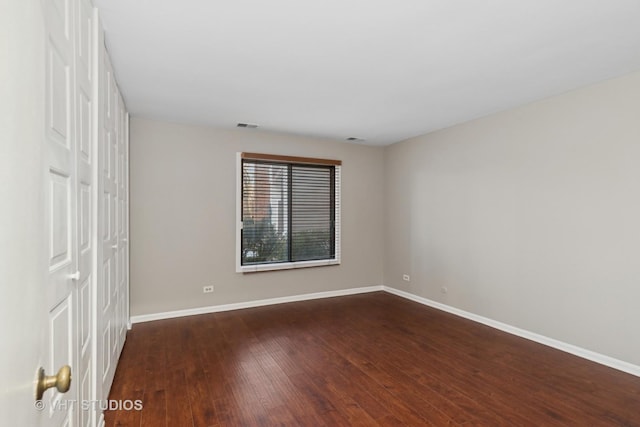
568	348
251	304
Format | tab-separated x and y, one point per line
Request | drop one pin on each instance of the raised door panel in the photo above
60	408
60	221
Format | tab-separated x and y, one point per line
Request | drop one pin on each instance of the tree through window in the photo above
289	210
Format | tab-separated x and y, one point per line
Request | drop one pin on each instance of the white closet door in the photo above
85	193
86	212
122	254
61	207
112	286
108	236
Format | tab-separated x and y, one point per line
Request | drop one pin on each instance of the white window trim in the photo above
284	265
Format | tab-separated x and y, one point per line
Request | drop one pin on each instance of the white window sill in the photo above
285	265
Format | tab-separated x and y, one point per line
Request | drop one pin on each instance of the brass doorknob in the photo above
61	381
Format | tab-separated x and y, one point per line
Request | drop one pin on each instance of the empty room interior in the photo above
321	213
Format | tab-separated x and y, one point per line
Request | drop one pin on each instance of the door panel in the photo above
60	221
106	281
106	354
59	93
106	218
85	315
85	223
61	326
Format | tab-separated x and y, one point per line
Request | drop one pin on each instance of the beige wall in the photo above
530	217
183	190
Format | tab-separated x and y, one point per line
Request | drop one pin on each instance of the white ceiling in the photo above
381	70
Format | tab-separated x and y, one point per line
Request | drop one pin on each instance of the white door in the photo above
112	294
86	160
61	209
51	220
108	205
122	252
23	248
69	137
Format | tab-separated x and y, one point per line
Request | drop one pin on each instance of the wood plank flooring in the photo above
364	360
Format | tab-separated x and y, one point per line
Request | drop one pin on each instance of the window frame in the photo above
336	260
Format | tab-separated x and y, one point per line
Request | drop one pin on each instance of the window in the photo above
288	212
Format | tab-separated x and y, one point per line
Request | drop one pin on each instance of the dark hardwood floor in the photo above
370	359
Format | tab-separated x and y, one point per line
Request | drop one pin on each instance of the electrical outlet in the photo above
207	289
406	278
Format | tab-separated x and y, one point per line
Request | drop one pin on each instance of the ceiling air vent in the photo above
247	125
354	139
